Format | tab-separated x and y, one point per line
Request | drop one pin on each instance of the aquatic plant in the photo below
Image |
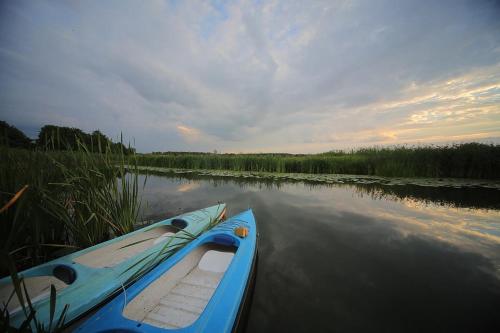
27	231
96	199
470	160
70	200
277	178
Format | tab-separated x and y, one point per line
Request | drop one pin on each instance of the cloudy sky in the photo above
254	76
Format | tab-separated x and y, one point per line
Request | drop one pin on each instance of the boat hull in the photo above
241	320
89	281
223	311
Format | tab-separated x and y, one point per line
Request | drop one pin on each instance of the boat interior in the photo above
117	252
38	287
179	296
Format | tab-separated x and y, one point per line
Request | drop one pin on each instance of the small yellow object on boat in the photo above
241	232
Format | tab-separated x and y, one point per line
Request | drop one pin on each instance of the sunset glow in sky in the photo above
254	76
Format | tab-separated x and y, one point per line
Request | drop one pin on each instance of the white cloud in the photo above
250	76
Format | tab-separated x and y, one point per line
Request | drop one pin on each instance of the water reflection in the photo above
466	197
445	196
360	257
188	187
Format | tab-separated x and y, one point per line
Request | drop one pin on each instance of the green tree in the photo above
12	137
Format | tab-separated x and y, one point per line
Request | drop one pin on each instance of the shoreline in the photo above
327	178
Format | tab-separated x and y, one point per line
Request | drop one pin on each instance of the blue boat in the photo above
202	288
86	278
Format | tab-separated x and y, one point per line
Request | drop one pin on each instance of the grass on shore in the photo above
471	160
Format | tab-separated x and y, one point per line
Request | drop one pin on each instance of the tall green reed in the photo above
74	199
471	160
27	231
97	200
53	201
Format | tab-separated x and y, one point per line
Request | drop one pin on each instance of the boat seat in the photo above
38	288
187	300
178	224
178	298
121	250
215	261
163	237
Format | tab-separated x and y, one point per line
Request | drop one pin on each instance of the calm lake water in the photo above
359	258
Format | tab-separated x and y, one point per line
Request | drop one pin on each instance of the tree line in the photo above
53	137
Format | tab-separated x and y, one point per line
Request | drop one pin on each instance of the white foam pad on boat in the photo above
163	237
215	261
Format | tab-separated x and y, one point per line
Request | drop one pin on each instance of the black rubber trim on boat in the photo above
240	323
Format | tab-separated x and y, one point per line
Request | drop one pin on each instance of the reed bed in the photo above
470	160
70	200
